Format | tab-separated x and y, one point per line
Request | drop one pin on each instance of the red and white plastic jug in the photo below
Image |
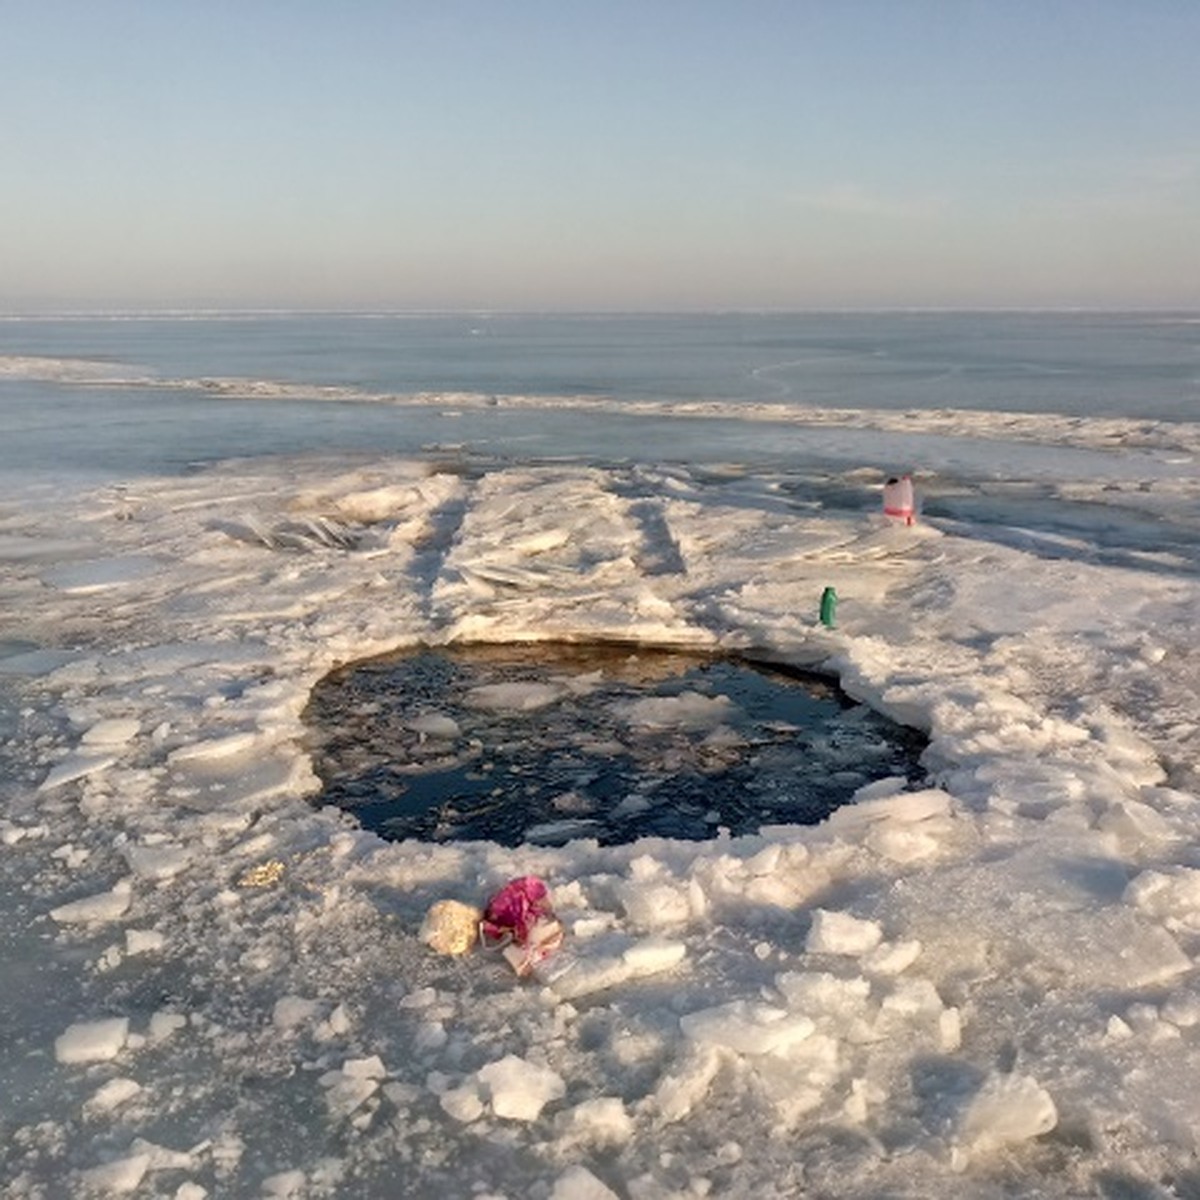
898	503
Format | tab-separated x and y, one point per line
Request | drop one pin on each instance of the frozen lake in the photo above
979	983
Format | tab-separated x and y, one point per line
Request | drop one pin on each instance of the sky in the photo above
634	154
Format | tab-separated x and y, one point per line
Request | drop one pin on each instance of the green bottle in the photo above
829	608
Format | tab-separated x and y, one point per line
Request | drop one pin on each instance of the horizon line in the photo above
201	312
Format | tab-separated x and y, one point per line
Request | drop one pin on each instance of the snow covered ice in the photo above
986	986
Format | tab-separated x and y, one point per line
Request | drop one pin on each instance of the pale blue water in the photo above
1132	365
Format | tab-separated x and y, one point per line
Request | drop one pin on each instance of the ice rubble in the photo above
984	987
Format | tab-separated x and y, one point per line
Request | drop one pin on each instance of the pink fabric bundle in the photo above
519	920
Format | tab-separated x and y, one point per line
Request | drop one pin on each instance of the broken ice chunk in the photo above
106	906
76	766
578	1183
689	711
601	1121
517	696
747	1027
609	965
1171	896
156	862
1007	1109
520	1089
92	1041
115	731
462	1104
121	1175
290	1012
435	725
891	958
111	1095
840	933
680	1091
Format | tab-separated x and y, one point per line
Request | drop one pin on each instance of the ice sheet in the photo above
985	987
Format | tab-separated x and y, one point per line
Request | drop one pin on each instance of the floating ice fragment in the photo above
285	1184
601	1121
689	711
72	857
557	832
891	958
164	1023
105	906
462	1104
419	998
122	1175
92	1041
430	1036
76	766
115	731
364	1068
143	941
334	1026
156	862
11	833
840	933
516	696
111	1095
578	1183
292	1011
346	1094
163	1158
435	725
519	1089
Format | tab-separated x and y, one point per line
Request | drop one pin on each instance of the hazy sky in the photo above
595	154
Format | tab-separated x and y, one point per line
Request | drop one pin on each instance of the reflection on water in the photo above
547	742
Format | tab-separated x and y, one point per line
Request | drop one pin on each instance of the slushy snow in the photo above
982	987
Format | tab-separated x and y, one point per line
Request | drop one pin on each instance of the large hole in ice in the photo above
546	742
